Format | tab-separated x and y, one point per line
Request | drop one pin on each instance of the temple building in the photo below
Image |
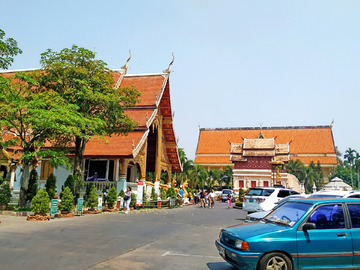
258	155
123	160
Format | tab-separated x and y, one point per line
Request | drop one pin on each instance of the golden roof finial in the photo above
168	70
125	67
332	123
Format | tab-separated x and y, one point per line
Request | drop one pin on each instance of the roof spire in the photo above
168	70
332	123
125	67
261	135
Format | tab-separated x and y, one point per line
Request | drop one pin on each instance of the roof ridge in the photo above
265	128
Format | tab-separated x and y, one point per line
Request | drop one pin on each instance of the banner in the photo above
139	195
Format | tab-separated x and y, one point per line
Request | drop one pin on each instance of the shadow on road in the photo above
220	266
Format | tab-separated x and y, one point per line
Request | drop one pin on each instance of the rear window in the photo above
259	192
324	196
226	192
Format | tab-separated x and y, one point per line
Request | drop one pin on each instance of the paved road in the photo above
180	238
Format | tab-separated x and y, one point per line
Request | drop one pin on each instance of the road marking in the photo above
168	253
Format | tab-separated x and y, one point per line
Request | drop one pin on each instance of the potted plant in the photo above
111	198
5	195
40	206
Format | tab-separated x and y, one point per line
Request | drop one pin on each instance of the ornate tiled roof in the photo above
306	143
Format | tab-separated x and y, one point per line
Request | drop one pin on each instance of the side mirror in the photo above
309	226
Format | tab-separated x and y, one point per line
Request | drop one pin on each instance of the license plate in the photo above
251	200
222	251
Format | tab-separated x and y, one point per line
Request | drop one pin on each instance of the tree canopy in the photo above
8	49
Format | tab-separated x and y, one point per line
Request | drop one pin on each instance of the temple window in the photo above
46	170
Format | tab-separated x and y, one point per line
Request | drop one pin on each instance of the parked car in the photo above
224	194
257	216
264	198
301	234
336	194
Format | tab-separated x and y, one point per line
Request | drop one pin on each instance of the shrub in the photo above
162	194
69	182
51	186
40	203
92	200
153	195
133	199
171	193
122	193
5	193
67	200
238	203
111	197
87	191
33	185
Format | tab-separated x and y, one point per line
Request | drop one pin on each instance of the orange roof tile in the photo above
140	116
323	160
213	160
149	86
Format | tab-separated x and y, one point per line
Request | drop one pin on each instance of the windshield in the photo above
325	196
288	214
259	192
226	191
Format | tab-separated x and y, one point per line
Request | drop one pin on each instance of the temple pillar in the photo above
121	183
168	180
12	176
158	152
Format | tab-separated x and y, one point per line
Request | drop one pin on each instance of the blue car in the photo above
301	234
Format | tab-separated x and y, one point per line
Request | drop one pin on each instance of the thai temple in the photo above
122	160
258	155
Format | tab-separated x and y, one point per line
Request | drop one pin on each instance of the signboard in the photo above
139	195
54	207
80	205
100	203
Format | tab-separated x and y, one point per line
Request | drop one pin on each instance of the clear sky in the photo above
237	63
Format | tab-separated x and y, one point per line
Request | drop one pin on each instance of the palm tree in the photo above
357	166
198	176
227	176
308	177
349	155
214	177
294	167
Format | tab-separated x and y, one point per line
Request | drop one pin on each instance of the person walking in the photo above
127	199
212	199
229	198
202	198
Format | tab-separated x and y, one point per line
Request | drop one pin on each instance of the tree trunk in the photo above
24	182
80	144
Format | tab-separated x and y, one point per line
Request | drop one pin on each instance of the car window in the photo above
354	210
288	214
293	192
324	196
226	191
354	196
283	193
330	216
260	192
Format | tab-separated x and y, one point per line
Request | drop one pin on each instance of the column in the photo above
121	182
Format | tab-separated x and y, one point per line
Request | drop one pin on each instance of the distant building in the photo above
337	184
249	151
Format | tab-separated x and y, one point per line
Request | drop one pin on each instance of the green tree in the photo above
122	193
111	197
51	186
5	193
33	118
171	193
198	176
349	156
294	167
69	182
87	84
8	49
33	185
153	195
308	177
92	200
67	200
40	203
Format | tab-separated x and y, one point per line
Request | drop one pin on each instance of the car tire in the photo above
275	260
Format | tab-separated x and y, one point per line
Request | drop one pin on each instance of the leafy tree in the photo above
8	49
51	186
33	118
294	167
40	203
67	200
69	182
87	191
349	156
87	84
308	177
5	193
33	185
111	197
198	176
92	200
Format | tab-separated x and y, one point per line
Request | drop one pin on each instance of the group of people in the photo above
207	198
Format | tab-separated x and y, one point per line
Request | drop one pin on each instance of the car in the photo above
257	216
336	194
264	198
224	194
301	234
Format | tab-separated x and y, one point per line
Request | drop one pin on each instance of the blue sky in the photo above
237	63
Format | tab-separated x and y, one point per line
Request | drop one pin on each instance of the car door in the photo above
330	244
354	212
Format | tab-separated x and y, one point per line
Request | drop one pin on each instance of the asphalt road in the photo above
180	238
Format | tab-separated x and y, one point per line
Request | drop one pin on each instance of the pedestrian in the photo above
206	198
181	193
212	199
229	198
202	198
127	199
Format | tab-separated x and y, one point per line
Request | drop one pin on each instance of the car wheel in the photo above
275	260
